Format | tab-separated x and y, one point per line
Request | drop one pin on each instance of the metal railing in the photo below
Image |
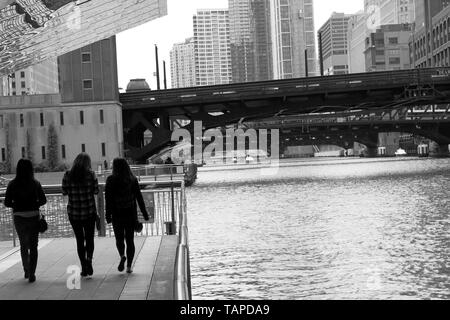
153	172
163	198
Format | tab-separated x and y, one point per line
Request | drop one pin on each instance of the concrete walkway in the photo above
152	278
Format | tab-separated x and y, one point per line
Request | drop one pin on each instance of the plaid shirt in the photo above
81	205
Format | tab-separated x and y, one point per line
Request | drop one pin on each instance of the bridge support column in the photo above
439	151
371	152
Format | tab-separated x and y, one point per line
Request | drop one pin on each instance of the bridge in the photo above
363	126
216	106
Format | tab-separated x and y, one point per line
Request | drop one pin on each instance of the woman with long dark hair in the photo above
81	185
24	195
121	193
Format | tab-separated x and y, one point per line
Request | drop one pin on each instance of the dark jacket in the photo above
28	197
120	199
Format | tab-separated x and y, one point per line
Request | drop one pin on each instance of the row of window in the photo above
63	151
61	119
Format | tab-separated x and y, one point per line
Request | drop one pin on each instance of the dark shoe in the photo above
83	270
32	278
26	275
121	266
89	268
129	270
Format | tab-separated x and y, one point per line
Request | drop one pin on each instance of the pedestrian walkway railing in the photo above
162	198
154	172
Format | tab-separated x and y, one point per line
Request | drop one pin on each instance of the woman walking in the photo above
81	185
24	195
121	193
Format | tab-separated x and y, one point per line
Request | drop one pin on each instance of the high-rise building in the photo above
383	12
388	48
182	64
429	44
241	47
90	73
356	39
212	47
39	79
333	44
261	39
293	40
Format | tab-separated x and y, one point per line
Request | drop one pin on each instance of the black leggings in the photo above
28	232
124	231
84	233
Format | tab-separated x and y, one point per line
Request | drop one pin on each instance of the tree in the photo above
52	146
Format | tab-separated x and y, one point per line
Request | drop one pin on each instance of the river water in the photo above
335	229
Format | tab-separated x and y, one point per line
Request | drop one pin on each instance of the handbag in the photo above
43	226
138	226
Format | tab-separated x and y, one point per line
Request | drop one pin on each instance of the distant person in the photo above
105	163
121	193
24	195
81	185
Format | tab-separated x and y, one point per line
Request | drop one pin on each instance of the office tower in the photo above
90	73
429	46
182	64
356	40
38	79
292	33
388	48
241	47
212	47
334	44
261	39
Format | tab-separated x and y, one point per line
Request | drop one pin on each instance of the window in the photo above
394	60
81	117
22	74
2	124
103	149
13	85
43	152
23	153
63	151
87	84
393	40
21	120
61	118
86	57
22	84
42	119
83	147
102	117
3	154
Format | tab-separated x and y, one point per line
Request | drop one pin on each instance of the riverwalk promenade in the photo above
152	278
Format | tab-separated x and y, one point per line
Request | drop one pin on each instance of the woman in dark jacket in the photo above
24	195
81	185
121	193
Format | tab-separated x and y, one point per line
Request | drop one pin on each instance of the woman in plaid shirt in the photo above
81	185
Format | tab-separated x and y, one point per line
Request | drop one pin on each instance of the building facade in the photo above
356	40
383	12
241	47
388	48
212	47
92	127
430	44
261	39
182	64
38	79
293	38
333	44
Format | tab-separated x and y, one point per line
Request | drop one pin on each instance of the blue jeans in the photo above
28	232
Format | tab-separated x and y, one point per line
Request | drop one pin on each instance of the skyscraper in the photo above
356	38
241	47
334	43
261	39
385	12
182	64
212	47
292	23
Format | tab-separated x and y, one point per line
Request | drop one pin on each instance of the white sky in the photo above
136	50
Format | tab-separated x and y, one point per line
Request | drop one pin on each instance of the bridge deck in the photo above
152	278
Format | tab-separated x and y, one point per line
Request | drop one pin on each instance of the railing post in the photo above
101	211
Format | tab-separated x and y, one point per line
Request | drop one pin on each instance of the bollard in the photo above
170	228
